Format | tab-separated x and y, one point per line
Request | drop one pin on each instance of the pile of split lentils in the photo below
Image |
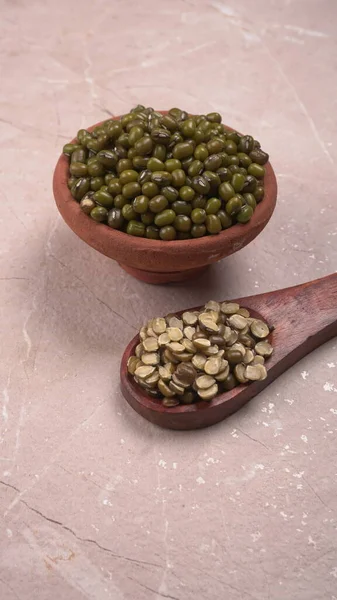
195	356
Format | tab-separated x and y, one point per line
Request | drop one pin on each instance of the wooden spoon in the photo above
304	317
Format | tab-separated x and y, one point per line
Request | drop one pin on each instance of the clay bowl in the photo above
155	261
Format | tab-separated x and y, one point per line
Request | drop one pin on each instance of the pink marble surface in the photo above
95	502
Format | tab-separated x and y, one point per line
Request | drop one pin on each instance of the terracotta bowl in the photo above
155	261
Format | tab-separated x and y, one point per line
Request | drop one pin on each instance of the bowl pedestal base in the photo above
158	278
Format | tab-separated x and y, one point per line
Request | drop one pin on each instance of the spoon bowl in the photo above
304	317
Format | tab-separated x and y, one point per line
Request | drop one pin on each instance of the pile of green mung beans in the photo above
166	177
195	356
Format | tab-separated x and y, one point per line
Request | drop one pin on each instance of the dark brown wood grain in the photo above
304	317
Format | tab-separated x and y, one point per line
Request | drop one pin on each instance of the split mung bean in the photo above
200	354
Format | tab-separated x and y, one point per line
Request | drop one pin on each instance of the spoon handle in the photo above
304	316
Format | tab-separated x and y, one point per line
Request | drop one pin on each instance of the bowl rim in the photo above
67	205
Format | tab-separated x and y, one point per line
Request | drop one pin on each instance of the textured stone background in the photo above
96	502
